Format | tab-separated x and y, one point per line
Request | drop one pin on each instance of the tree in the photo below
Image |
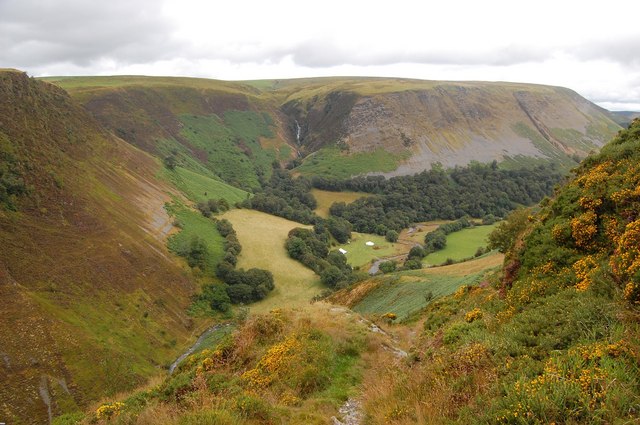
331	276
217	297
388	266
339	228
413	264
170	162
506	233
197	253
240	293
391	236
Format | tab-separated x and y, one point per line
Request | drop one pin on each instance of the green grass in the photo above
358	254
193	224
408	292
462	244
232	145
198	187
331	162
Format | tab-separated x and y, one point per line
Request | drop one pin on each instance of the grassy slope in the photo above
331	162
326	198
199	187
288	366
262	237
193	224
405	293
97	301
215	127
462	244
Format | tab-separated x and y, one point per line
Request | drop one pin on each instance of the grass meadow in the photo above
461	244
359	254
326	198
262	237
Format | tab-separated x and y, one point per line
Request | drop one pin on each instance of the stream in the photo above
195	346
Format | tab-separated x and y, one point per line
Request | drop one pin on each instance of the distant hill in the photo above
343	126
624	118
92	301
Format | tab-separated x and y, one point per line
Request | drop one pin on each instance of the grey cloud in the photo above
318	54
623	50
34	33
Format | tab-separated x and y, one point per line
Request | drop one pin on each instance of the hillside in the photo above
94	303
342	126
423	122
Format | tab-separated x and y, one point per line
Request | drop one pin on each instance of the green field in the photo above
326	198
198	187
462	244
403	297
358	254
262	237
406	292
331	162
192	223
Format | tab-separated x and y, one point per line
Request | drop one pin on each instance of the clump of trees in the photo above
12	184
311	248
212	206
286	197
476	190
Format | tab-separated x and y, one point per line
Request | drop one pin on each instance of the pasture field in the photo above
407	292
262	237
358	254
198	187
326	198
461	244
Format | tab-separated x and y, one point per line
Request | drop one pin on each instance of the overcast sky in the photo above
591	47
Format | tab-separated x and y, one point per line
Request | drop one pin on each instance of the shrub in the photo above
331	276
388	266
391	236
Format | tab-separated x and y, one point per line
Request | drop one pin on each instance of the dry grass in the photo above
419	232
325	198
262	237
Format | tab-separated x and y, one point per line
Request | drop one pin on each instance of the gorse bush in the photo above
554	337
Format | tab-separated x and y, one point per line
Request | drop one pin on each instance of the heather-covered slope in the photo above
92	301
